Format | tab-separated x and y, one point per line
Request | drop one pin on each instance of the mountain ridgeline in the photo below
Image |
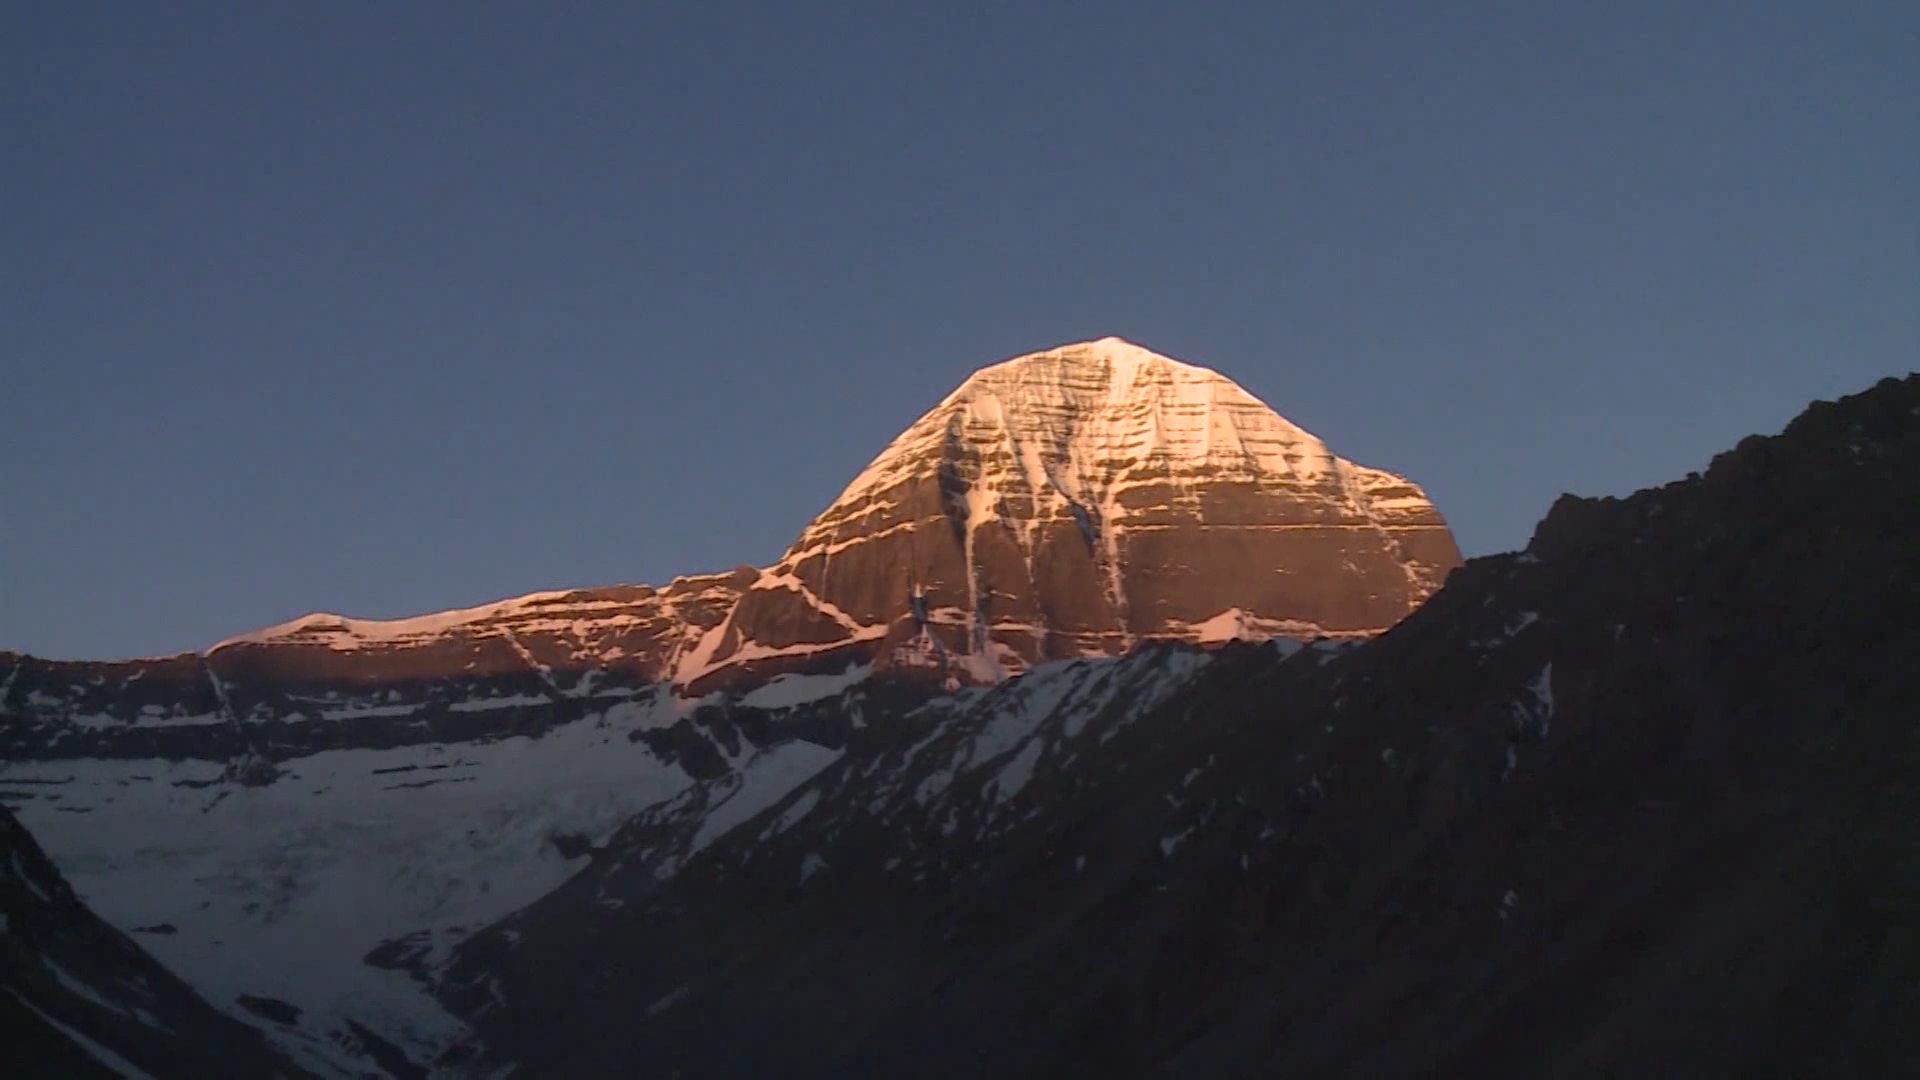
1634	801
1064	504
1107	723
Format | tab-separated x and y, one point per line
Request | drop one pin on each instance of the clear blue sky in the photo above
382	308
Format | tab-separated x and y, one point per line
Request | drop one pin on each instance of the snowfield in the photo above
281	890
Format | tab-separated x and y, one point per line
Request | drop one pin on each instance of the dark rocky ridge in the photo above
1635	801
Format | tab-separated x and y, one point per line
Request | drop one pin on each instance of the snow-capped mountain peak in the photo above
1075	415
1064	503
1075	500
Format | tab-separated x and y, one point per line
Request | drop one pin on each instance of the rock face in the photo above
1638	800
1076	501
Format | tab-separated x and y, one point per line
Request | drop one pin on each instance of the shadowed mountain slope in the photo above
1635	801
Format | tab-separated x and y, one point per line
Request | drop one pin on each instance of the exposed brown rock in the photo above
1080	499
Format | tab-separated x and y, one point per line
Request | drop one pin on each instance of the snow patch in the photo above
100	1053
668	1001
789	690
1229	625
1015	774
1171	844
794	814
764	780
505	701
80	989
1542	687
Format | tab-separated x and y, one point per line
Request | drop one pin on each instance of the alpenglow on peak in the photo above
1076	500
1069	502
1108	404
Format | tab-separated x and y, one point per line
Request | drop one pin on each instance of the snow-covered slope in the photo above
79	998
325	888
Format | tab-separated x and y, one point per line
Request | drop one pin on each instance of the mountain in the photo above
321	811
1633	800
1077	501
1637	800
80	999
1063	504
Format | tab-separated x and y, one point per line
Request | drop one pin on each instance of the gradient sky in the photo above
384	308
